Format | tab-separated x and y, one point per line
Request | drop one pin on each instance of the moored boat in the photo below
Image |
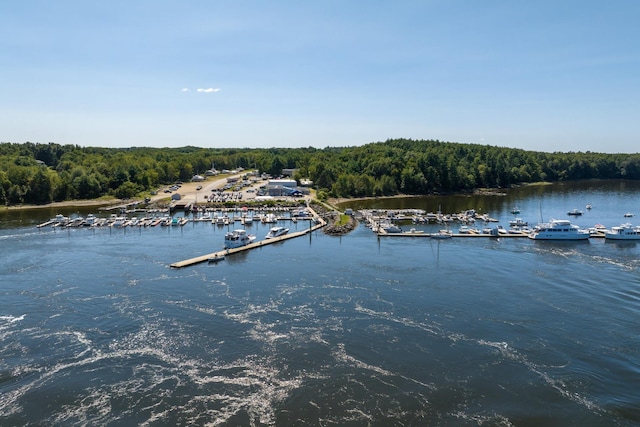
518	222
623	232
574	212
276	232
558	229
237	238
389	227
414	231
465	229
442	234
216	258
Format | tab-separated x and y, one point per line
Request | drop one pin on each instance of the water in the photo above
96	329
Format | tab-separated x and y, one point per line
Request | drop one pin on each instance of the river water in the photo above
97	329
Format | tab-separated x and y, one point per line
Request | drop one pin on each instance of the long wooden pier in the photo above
319	223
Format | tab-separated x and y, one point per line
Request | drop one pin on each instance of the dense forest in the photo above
36	173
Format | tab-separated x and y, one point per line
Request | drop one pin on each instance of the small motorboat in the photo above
276	232
628	215
518	222
574	212
216	258
414	231
442	234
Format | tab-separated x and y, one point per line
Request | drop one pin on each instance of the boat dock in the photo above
383	233
319	223
499	234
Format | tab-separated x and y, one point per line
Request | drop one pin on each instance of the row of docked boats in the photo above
248	218
240	237
555	229
113	221
562	229
219	218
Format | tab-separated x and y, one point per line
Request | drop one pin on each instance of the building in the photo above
291	183
284	191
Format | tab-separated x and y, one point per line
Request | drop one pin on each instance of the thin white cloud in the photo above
209	90
185	89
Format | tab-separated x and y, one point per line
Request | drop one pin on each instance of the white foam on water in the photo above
217	390
12	319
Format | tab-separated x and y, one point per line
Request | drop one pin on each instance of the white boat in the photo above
518	222
464	229
60	220
237	238
414	231
598	229
623	232
269	218
628	215
389	227
216	258
276	232
442	234
558	229
117	221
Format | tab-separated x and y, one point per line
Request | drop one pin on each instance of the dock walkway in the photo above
319	223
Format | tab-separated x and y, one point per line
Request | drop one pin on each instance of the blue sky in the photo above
540	75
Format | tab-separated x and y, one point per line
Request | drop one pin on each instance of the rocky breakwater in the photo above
337	227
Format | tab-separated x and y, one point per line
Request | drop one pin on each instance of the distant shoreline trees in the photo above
35	173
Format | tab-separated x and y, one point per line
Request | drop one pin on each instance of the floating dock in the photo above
521	234
319	223
382	233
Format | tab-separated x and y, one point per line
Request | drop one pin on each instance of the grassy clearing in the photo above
343	220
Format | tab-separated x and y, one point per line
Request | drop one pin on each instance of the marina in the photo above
384	223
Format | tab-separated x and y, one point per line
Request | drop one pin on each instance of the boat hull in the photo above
623	232
559	230
237	239
558	236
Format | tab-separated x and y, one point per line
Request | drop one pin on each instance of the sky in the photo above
542	75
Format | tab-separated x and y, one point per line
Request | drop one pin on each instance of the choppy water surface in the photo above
96	329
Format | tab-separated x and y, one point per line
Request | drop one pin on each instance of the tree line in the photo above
37	173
